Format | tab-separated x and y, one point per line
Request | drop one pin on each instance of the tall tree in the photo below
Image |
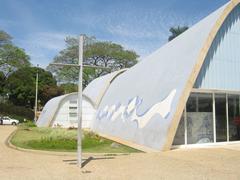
2	82
104	54
5	38
21	86
11	56
176	31
69	88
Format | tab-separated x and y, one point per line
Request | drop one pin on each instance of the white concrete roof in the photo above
49	111
98	87
93	93
152	80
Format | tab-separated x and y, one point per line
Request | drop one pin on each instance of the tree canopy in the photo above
176	31
2	80
11	56
21	86
5	38
104	54
69	87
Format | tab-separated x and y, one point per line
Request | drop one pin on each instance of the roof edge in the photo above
104	90
50	123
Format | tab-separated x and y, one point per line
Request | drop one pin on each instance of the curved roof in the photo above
98	87
93	93
51	108
172	68
49	111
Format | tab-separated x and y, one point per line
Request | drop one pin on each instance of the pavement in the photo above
213	163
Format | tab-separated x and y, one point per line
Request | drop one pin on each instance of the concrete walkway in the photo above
214	163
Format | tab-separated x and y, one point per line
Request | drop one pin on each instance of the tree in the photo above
21	86
11	56
176	31
104	54
2	82
48	92
69	88
5	38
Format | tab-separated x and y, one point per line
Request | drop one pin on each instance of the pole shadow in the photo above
86	161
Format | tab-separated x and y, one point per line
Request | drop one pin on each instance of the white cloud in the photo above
147	33
46	40
43	46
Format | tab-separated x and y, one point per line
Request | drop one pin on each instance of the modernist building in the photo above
62	111
187	92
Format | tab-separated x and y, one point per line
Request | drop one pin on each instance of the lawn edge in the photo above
56	153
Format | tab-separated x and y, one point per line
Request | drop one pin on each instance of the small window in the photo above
72	107
73	102
72	114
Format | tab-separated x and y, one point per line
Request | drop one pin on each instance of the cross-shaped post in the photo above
80	65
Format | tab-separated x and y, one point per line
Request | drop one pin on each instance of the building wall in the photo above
66	116
210	117
221	69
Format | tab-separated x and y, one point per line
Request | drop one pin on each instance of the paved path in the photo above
188	164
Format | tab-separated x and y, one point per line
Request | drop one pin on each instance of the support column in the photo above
227	117
214	118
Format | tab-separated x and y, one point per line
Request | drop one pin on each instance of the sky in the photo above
40	26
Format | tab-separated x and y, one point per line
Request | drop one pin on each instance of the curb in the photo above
10	145
54	153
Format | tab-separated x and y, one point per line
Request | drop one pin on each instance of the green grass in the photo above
63	140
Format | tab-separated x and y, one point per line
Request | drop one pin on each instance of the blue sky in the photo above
40	26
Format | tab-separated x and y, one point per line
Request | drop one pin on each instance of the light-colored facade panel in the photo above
221	68
62	112
153	81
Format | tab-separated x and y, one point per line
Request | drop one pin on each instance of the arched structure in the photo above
187	92
62	111
143	106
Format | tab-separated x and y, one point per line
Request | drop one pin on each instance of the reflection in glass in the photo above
221	117
199	118
179	137
234	117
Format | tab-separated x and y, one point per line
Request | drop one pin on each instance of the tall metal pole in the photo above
80	66
79	142
36	98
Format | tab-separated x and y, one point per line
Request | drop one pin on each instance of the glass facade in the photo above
234	117
208	118
179	138
199	119
221	117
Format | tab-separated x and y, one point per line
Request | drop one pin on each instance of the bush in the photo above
19	112
29	124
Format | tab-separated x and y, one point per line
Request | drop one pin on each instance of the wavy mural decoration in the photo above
130	111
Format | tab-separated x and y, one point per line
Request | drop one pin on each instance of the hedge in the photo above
17	111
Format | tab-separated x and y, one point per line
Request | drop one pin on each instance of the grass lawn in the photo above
64	140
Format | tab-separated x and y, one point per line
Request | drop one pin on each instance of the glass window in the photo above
72	107
199	118
179	137
221	117
73	102
234	117
72	114
192	103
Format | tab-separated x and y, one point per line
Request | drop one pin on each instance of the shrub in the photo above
29	124
16	111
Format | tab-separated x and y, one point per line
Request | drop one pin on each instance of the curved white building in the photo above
62	111
187	92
